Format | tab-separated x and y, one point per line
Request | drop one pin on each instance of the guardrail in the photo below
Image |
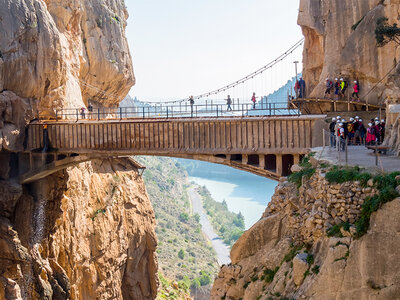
179	111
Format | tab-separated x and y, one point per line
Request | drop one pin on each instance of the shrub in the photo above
270	274
310	259
181	254
315	269
341	175
184	217
292	253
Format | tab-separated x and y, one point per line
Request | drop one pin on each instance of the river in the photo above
243	191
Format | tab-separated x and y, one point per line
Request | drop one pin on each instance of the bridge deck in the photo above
242	135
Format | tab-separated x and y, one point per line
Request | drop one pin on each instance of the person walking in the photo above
253	99
332	138
302	85
342	137
363	131
337	89
356	90
191	101
382	126
297	88
328	85
343	87
228	103
377	131
371	138
90	109
83	114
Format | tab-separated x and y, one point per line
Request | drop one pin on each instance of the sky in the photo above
187	47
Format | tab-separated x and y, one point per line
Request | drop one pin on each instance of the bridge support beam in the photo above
245	159
279	164
262	161
296	159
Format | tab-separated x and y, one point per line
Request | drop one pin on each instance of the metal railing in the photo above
182	110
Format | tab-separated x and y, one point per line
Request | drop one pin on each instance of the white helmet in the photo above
341	79
333	119
357	117
351	119
369	124
338	118
343	120
376	122
327	79
336	79
376	118
383	121
340	124
355	81
360	120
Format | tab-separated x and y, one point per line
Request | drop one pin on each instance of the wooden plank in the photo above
234	135
290	134
296	134
272	134
222	135
239	135
308	134
278	133
284	134
201	135
302	134
228	132
217	135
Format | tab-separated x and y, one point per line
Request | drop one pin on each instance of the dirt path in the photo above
220	248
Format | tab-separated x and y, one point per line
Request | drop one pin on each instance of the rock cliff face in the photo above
288	253
86	232
340	42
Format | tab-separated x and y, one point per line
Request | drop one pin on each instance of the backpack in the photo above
346	84
350	127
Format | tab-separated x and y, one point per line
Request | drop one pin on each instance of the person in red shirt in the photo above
356	90
253	99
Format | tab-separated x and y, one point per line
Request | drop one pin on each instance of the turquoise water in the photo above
243	192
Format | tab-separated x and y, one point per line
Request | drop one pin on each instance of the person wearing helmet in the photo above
371	138
382	126
328	85
357	135
332	138
363	131
350	130
337	89
336	132
377	131
342	137
356	90
343	87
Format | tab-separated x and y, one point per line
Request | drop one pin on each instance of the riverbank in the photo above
220	248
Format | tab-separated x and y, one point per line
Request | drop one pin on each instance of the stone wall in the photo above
287	253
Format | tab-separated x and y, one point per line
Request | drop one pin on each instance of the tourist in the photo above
343	87
350	131
357	134
253	99
337	89
228	103
302	87
363	131
328	85
336	131
356	89
90	109
377	131
371	138
382	129
191	101
83	114
332	137
297	88
342	137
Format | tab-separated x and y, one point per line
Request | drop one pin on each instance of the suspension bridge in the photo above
265	136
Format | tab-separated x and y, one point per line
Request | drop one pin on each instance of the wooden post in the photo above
245	159
279	164
261	159
296	159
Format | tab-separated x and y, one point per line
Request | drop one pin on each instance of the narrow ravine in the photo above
220	248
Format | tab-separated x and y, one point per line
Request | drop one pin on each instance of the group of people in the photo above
355	133
300	88
339	88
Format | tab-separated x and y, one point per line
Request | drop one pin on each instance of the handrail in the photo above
182	111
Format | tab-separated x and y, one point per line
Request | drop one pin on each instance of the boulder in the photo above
300	266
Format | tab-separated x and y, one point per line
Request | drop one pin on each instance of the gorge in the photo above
90	232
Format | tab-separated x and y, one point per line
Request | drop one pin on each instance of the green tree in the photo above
205	278
386	33
183	217
195	284
181	254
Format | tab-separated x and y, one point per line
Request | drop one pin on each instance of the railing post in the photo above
196	111
120	113
242	111
77	115
167	112
56	115
217	110
346	146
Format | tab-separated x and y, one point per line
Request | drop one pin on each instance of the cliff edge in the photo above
87	232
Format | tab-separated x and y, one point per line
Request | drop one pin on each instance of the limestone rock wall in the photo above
333	49
63	53
86	233
288	253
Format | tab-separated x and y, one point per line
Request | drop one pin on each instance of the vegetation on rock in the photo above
385	33
228	225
